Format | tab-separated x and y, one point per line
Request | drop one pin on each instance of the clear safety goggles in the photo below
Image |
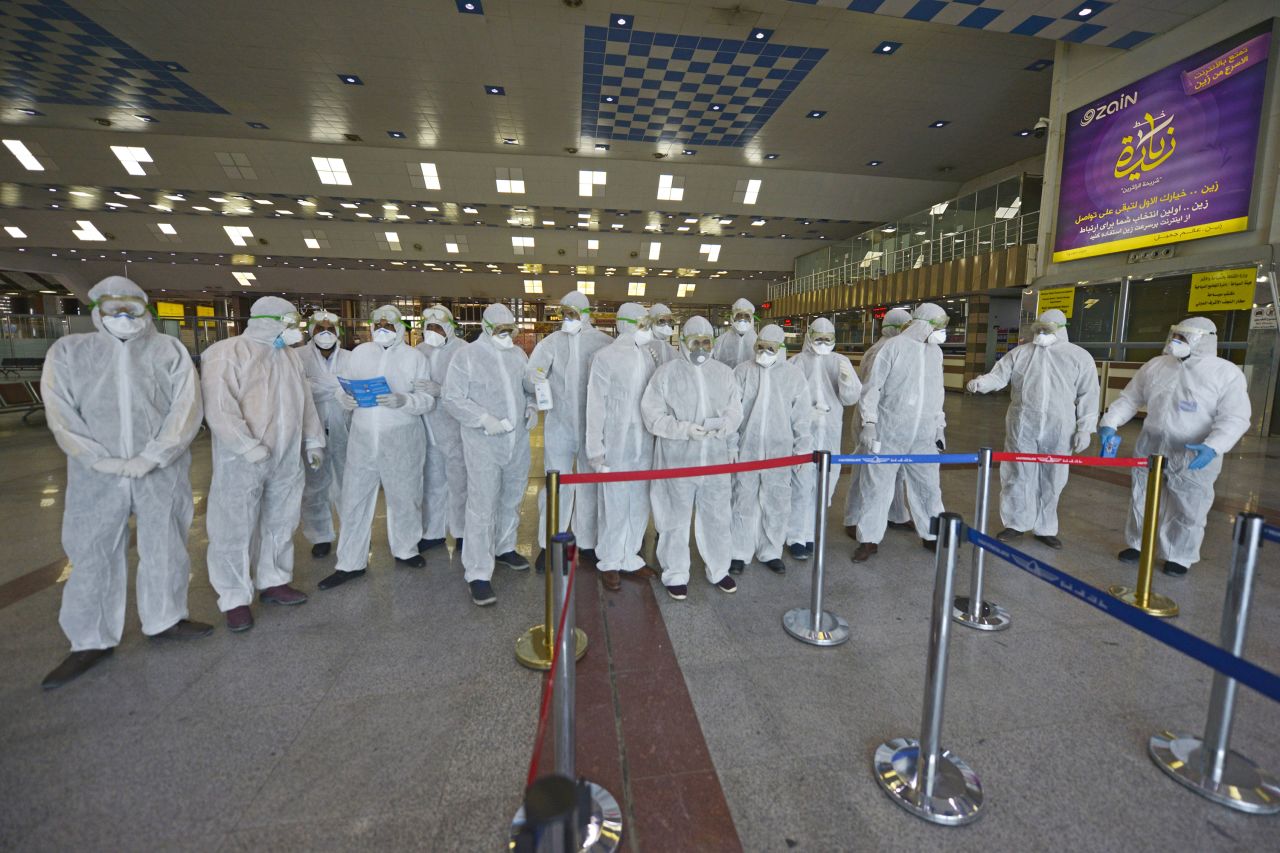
508	329
822	338
1187	336
385	323
940	322
743	316
1044	328
663	320
325	326
640	323
115	306
768	346
436	318
698	343
567	313
291	320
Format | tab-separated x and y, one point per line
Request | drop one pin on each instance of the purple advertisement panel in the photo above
1167	158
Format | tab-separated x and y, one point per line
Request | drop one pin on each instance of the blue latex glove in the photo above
1204	455
1108	441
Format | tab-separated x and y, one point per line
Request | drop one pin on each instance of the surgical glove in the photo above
530	417
868	437
315	458
392	401
723	432
597	463
1204	455
429	385
347	402
138	467
493	426
1080	441
257	453
697	431
973	386
109	465
940	438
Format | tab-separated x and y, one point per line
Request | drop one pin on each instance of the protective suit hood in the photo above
320	317
1207	346
438	315
578	300
392	313
1053	315
696	325
629	311
773	333
922	320
265	330
496	314
118	285
895	320
821	326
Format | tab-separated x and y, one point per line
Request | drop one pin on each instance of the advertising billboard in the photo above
1167	158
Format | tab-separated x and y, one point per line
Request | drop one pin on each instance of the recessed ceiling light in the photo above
1023	132
1086	10
886	47
15	232
495	90
940	123
510	140
470	7
602	146
757	222
715	108
88	231
396	134
145	118
1039	65
26	111
759	35
815	114
688	152
875	162
610	99
351	79
132	158
470	210
166	228
771	156
256	125
623	21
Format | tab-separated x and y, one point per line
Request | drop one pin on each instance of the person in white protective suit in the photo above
777	420
737	344
325	360
124	404
902	415
693	407
444	499
833	385
259	409
1197	409
387	447
616	440
486	393
895	320
562	361
1054	410
663	325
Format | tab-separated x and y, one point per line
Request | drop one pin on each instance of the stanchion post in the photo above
564	688
933	783
815	625
1208	766
973	609
1141	595
535	646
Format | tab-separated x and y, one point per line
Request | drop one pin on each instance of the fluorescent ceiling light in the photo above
670	188
747	191
25	157
246	279
451	248
939	209
132	158
238	234
331	170
509	180
393	240
469	210
520	244
533	285
635	288
593	245
587	287
348	205
588	179
166	228
548	222
682	228
311	242
15	232
711	250
130	196
684	288
757	222
655	250
88	231
362	215
691	220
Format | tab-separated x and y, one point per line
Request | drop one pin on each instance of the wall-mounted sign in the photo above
169	310
1222	290
1062	298
1168	158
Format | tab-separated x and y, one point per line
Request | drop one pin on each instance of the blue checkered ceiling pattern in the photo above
663	87
52	54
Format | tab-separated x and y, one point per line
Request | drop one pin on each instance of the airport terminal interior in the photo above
305	307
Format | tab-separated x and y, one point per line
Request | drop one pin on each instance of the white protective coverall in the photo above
119	399
833	385
902	398
1054	410
681	395
777	420
485	384
663	331
737	345
387	447
258	406
322	491
1202	399
616	438
444	505
563	359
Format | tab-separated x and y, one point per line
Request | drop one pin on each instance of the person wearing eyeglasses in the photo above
324	360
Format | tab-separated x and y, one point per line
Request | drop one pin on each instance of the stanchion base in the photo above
1244	786
601	831
531	649
993	616
1157	605
832	629
957	792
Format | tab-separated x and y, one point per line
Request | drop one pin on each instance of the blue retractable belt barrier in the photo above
906	459
1266	683
1272	533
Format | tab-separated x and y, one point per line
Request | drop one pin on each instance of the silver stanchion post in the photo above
933	783
1208	766
973	609
815	625
597	821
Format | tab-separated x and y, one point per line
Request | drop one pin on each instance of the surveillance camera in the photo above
658	155
1041	127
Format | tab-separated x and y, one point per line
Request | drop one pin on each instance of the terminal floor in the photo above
390	713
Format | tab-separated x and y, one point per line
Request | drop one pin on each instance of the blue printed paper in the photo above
365	391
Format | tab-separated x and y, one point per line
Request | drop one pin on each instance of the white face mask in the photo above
643	336
823	349
503	341
766	359
433	339
291	337
385	337
571	327
697	357
1045	339
663	331
938	337
742	326
1177	349
325	340
124	326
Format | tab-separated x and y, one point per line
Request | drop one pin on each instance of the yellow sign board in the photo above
1062	298
204	311
1222	290
174	310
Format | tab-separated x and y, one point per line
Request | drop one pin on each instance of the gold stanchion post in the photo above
1141	596
535	646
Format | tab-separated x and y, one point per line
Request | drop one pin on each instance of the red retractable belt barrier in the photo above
1052	459
698	471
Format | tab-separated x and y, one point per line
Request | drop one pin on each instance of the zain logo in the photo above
1113	106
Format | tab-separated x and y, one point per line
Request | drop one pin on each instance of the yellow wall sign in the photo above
1222	290
1062	298
204	310
169	309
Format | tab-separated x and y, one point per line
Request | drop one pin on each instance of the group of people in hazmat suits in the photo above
447	442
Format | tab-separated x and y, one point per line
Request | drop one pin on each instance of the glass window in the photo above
1156	305
1093	316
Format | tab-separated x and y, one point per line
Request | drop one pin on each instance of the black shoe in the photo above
321	549
1175	569
513	561
798	551
736	567
851	530
339	578
414	562
75	665
428	544
1008	533
482	593
678	591
1129	555
1052	541
776	566
901	525
864	551
808	548
457	545
184	629
727	584
930	544
540	564
587	554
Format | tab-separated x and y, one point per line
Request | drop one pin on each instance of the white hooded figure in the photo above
123	403
777	420
663	325
693	407
738	343
562	360
1054	410
616	440
902	414
444	503
485	391
833	385
325	360
387	447
1197	409
259	409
